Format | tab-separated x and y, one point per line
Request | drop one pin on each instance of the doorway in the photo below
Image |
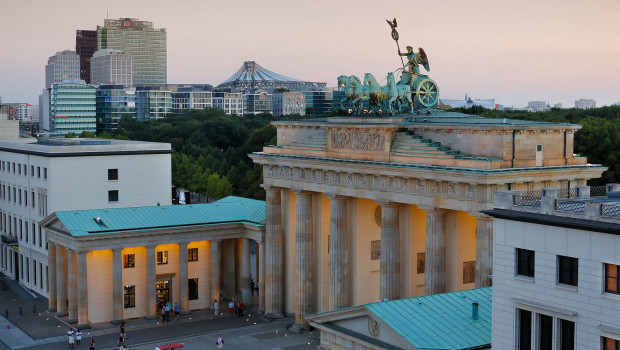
163	293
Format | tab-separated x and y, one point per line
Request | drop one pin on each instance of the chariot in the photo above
424	90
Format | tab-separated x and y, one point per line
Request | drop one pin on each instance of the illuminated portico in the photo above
394	213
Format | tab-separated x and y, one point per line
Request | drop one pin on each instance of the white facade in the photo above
543	293
111	67
37	179
537	106
185	100
285	103
585	103
24	112
153	104
230	102
62	66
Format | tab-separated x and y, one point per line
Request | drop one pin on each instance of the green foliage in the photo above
69	135
87	134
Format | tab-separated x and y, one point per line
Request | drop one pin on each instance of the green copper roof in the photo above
439	321
228	210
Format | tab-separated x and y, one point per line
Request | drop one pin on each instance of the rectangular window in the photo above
192	254
610	344
129	295
32	170
567	270
162	257
611	279
525	330
567	335
112	174
45	173
192	288
525	262
39	172
129	260
545	335
113	196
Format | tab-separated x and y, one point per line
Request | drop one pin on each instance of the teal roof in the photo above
439	321
227	210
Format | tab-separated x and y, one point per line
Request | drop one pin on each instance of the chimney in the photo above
474	310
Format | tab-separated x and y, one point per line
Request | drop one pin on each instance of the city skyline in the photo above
555	51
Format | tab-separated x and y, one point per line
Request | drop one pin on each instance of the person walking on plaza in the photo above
252	286
168	308
71	335
220	342
92	344
120	341
216	307
163	314
78	337
231	307
123	334
176	310
240	308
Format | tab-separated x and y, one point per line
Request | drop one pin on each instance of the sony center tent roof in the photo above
252	75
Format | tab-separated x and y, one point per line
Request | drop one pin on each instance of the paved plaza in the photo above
41	330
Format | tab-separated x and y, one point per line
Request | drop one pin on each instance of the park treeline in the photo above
210	149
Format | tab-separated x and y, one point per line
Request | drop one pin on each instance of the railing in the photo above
598	191
568	192
572	206
528	198
611	210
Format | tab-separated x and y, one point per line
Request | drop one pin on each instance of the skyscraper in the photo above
85	46
62	66
111	67
145	44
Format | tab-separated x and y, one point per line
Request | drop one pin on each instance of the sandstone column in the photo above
82	290
304	261
117	285
183	280
435	261
260	279
72	284
246	296
484	250
389	279
51	282
61	280
338	267
151	282
215	272
273	253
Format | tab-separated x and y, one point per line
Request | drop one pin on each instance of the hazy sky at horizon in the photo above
513	51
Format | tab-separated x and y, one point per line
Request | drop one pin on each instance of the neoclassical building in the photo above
120	263
361	209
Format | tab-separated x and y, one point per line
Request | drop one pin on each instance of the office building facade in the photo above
257	103
140	39
585	103
230	102
111	67
189	98
85	47
62	66
72	107
112	103
318	102
152	103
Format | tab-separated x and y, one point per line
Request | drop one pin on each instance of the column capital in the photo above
82	252
387	203
151	245
183	243
480	216
299	191
431	209
270	187
116	250
334	196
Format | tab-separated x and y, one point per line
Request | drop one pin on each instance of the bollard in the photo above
34	309
20	310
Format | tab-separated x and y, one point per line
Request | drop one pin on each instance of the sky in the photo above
514	51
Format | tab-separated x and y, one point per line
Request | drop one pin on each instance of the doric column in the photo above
304	280
183	287
82	290
435	262
151	282
273	253
215	271
51	278
389	278
245	271
117	285
484	250
338	267
61	280
261	275
72	289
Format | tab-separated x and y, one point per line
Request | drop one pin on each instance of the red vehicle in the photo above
170	346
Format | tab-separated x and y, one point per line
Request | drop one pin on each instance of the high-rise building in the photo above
585	103
145	44
151	102
62	66
113	102
85	46
111	67
72	107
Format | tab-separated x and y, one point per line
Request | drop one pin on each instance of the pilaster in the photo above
72	285
183	280
435	255
82	290
117	285
151	282
215	271
245	271
484	250
338	267
51	267
389	279
61	280
273	253
304	261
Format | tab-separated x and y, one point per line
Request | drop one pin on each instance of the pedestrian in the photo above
92	344
163	314
168	308
241	307
123	330
78	337
216	307
120	340
252	286
231	307
71	335
220	342
236	304
176	310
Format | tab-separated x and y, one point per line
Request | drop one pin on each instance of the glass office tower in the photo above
145	44
113	102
